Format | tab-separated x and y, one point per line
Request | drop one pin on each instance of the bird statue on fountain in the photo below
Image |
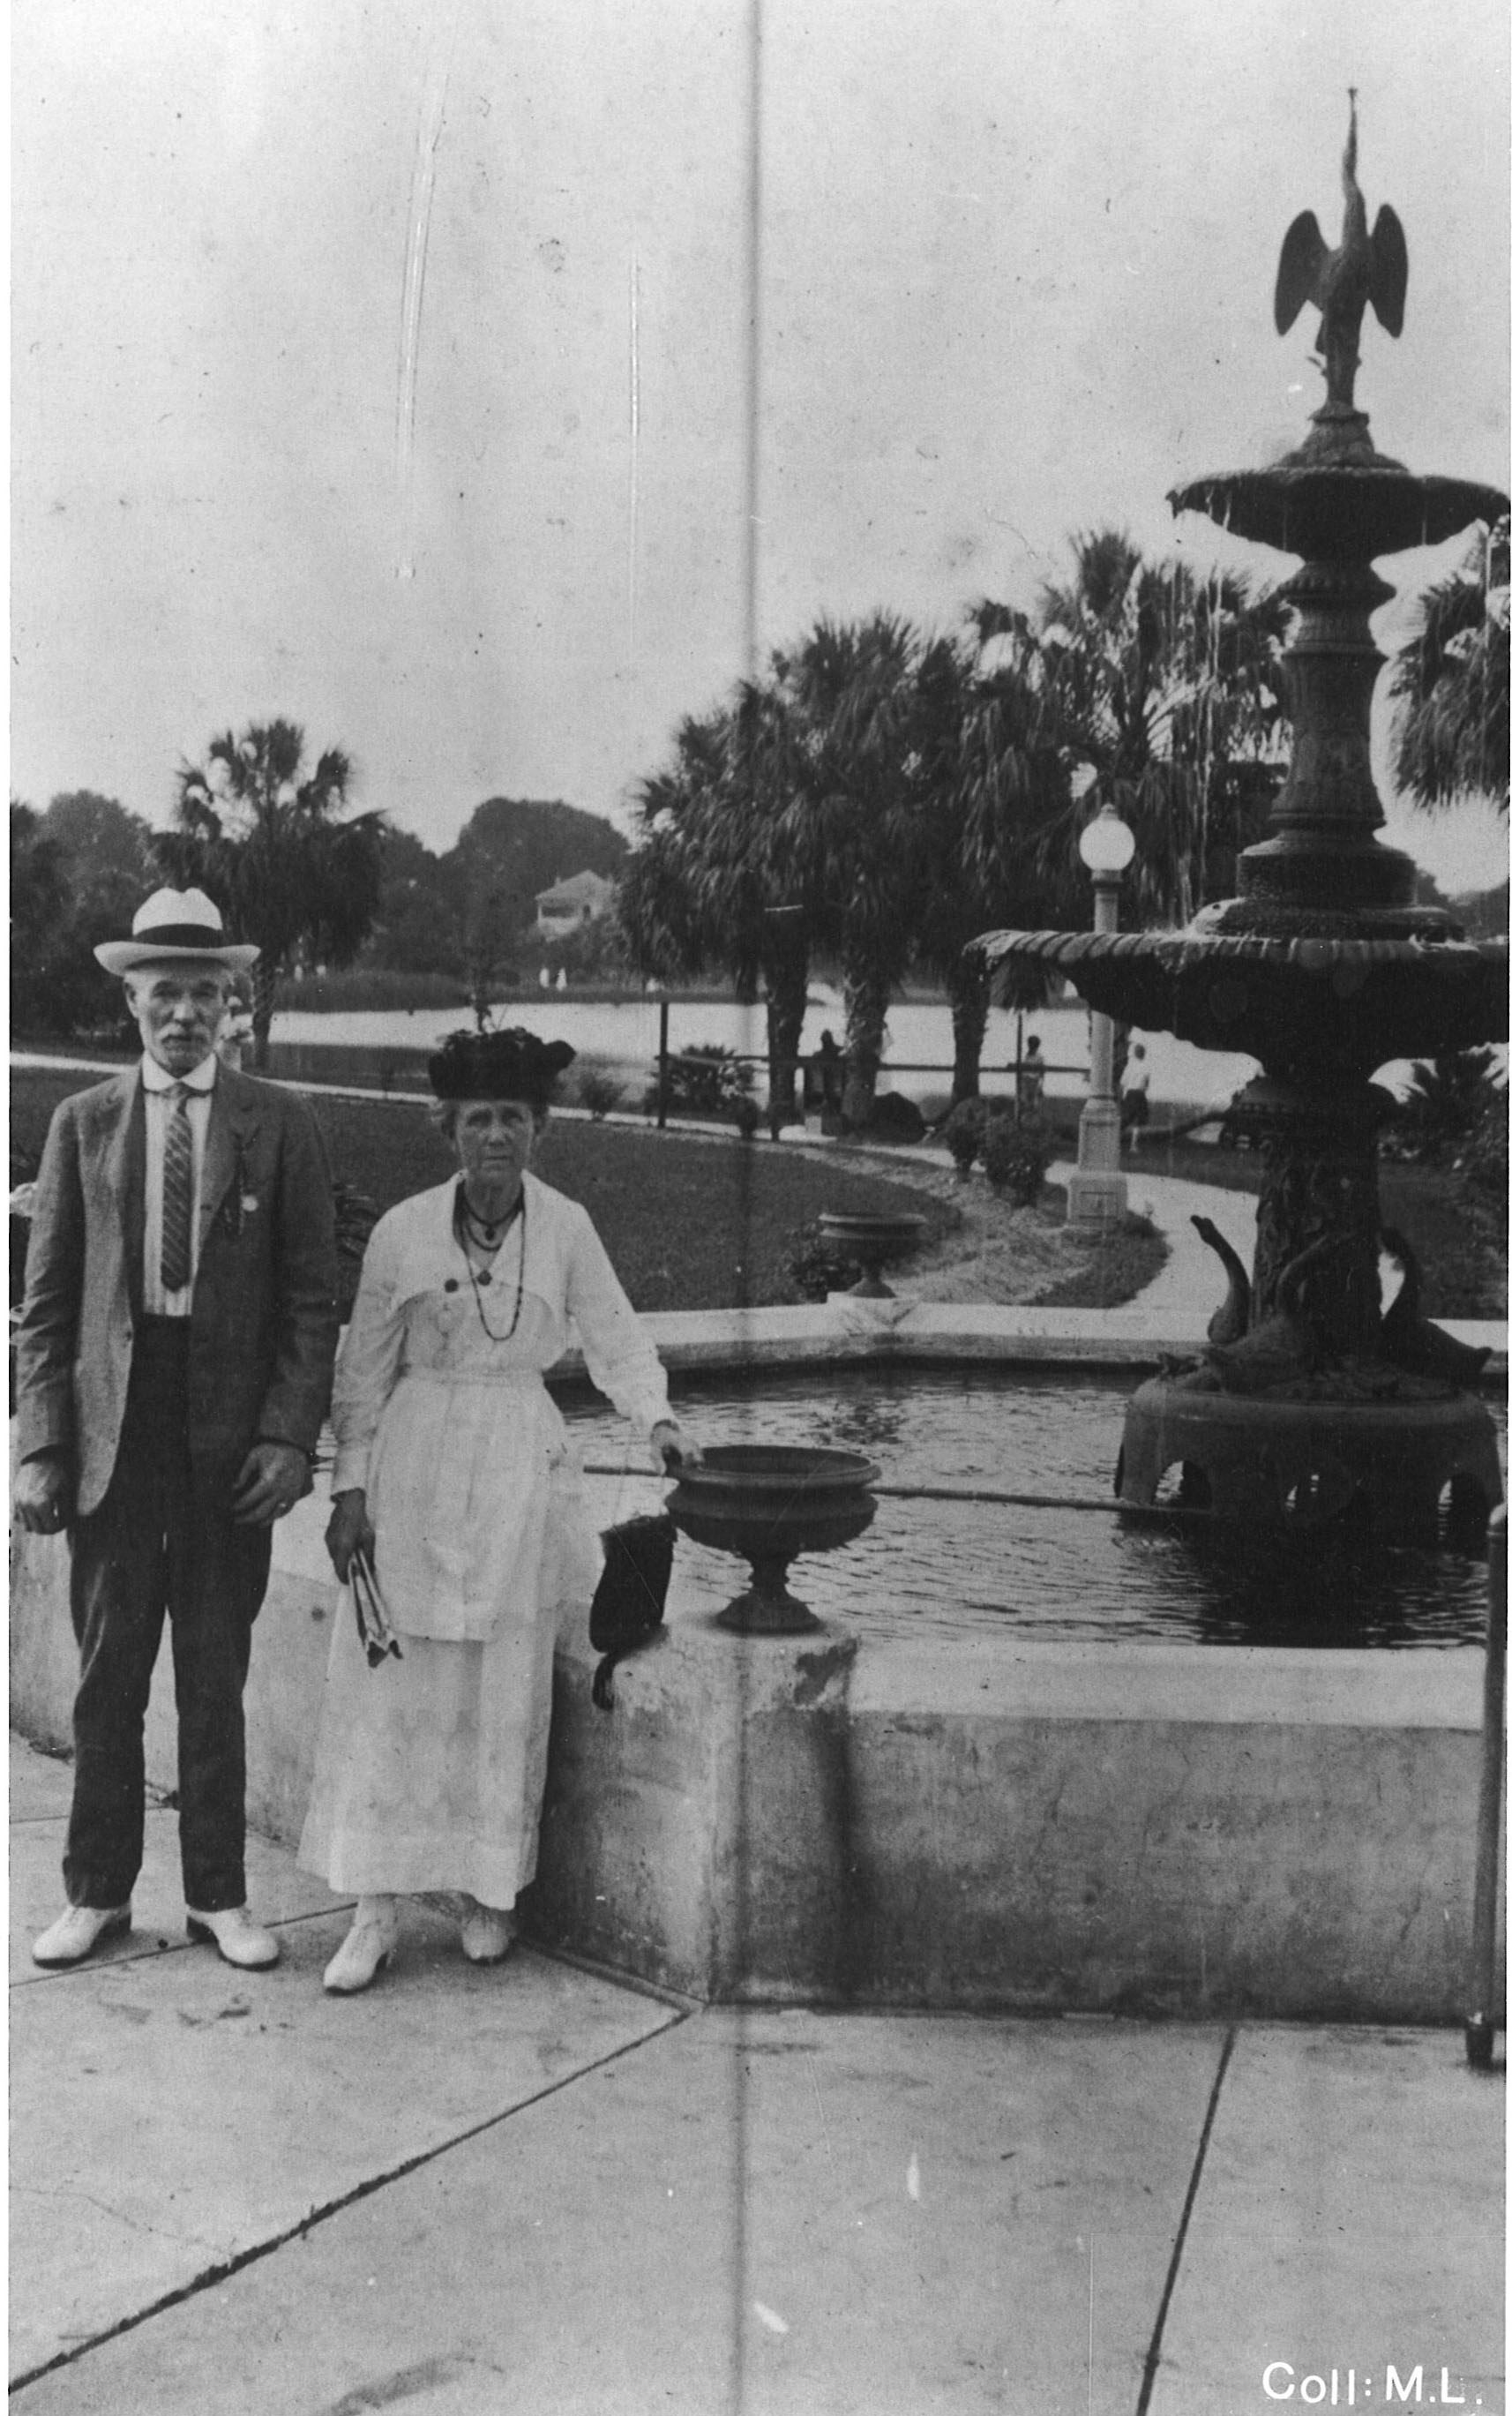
1369	265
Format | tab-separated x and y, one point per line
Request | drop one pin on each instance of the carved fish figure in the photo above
1231	1319
1367	267
1286	1348
1411	1340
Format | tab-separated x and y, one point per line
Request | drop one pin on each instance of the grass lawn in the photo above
709	1223
1116	1267
1462	1248
689	1223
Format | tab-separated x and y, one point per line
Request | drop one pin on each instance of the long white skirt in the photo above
429	1771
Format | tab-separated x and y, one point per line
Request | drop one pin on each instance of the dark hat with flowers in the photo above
511	1065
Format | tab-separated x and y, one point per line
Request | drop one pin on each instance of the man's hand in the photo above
43	1484
271	1478
675	1449
350	1530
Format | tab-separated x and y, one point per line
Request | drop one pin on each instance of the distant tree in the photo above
417	928
38	917
109	849
518	847
489	926
272	849
1449	684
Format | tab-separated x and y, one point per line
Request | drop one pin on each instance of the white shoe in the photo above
240	1940
77	1933
487	1935
366	1947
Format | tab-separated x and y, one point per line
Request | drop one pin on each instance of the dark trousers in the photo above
162	1540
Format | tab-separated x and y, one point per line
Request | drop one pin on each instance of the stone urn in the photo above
768	1503
873	1240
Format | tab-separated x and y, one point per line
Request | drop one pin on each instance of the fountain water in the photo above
1324	969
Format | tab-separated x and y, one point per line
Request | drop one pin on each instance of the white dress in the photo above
430	1770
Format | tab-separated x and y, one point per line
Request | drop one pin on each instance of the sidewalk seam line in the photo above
231	2266
1152	2355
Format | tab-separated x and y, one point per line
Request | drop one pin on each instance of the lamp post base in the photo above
1094	1199
1097	1191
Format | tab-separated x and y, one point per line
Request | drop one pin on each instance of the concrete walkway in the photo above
534	2189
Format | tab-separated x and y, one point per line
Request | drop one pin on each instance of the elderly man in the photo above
174	1367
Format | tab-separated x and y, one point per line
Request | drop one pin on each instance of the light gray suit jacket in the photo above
263	1329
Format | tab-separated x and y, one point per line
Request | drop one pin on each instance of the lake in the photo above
624	1034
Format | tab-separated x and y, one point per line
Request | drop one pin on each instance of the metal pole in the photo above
1098	1190
660	1066
1485	2018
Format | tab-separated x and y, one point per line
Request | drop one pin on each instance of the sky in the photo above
387	365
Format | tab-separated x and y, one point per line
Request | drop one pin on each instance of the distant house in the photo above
570	906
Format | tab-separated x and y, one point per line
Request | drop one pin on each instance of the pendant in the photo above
483	1276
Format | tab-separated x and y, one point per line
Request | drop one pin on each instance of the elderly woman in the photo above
454	1478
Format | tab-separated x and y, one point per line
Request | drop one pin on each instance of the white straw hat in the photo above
175	923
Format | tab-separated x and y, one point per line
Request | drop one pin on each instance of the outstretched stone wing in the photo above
1388	269
1300	277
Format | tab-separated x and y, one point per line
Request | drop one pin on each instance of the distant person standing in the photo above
1135	1109
1031	1083
828	1067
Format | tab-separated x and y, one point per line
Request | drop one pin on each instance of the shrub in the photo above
1482	1163
1450	1096
894	1118
963	1132
598	1091
816	1266
1015	1158
705	1080
747	1116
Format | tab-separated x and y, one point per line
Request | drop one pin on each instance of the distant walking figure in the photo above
1135	1109
1031	1082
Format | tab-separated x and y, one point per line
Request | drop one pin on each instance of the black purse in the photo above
630	1596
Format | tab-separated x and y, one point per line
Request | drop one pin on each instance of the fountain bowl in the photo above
768	1503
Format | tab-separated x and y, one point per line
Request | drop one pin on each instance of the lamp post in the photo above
1098	1190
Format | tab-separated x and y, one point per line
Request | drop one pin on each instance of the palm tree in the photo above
1162	690
992	790
849	830
270	849
1449	684
708	881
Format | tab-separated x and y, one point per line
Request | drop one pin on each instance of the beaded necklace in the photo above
462	1225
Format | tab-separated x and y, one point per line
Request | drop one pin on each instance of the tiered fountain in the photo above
1324	969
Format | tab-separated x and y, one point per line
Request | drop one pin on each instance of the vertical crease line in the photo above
416	247
751	501
635	448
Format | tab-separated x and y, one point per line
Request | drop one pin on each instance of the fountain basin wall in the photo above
1167	1829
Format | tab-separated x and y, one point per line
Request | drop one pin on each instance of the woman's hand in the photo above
350	1530
675	1449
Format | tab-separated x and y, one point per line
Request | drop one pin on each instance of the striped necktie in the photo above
178	1191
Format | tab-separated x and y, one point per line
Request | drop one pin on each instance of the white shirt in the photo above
156	1084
